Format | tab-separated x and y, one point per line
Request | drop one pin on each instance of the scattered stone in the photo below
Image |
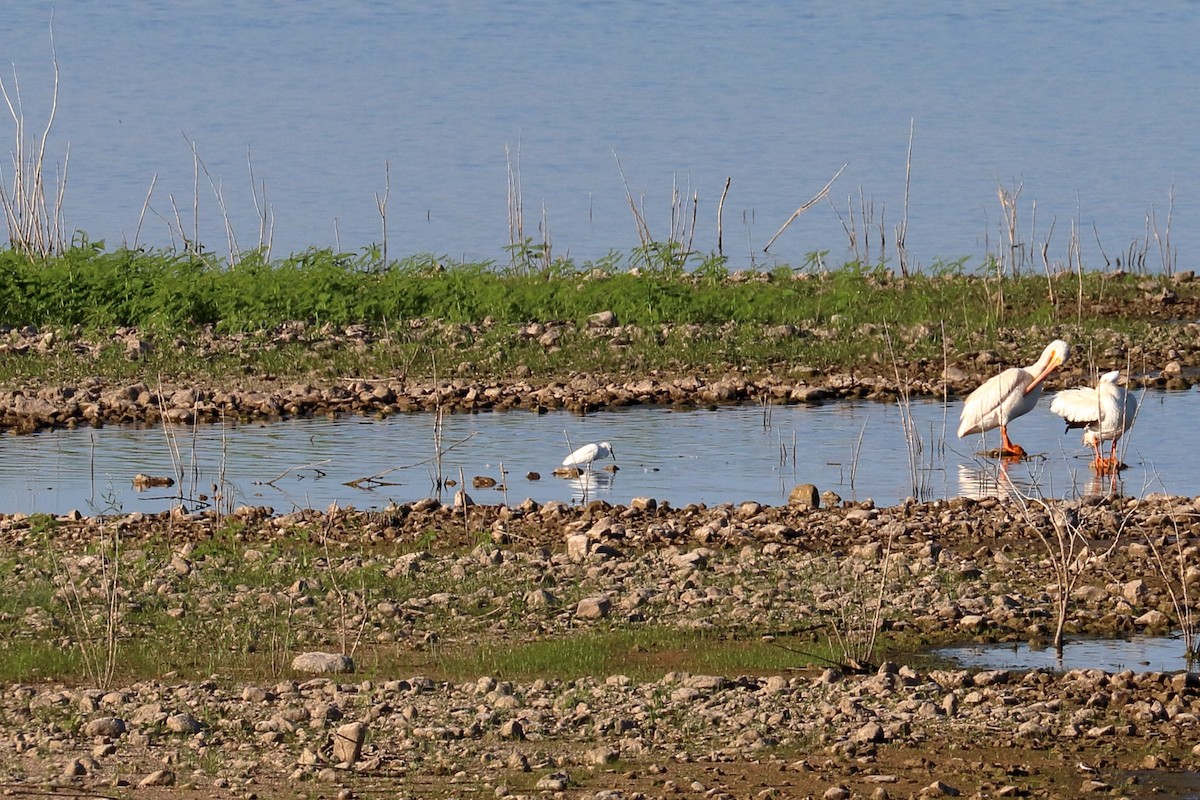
108	727
348	742
161	777
804	495
183	723
593	608
142	481
554	782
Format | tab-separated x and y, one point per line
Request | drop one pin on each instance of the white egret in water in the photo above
584	456
1105	412
1012	393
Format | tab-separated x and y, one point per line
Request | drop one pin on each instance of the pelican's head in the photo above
1110	377
1054	356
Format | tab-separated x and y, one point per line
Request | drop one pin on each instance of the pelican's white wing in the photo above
1080	405
1000	399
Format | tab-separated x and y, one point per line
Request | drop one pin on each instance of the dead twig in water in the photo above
372	481
313	465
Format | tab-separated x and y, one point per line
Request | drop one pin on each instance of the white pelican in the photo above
584	456
1105	412
1012	393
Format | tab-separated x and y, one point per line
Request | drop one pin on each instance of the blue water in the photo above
728	455
1137	653
1088	109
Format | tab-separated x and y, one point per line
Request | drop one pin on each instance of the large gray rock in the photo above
183	723
110	727
323	662
593	608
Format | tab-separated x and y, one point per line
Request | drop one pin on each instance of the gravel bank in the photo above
900	726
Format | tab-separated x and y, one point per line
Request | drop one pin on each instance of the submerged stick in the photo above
371	481
313	465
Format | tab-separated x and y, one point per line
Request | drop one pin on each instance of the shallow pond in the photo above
725	455
1137	653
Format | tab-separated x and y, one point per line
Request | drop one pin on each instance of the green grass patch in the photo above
640	653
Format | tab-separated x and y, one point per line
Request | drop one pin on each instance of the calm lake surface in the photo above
1089	109
728	455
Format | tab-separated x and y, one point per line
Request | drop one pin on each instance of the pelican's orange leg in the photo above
1008	449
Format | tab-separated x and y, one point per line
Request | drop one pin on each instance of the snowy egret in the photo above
1006	396
1105	412
584	456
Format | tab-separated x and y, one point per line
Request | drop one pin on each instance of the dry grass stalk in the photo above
266	215
639	219
720	218
859	620
812	202
902	229
35	226
1064	537
381	206
516	208
345	600
96	639
1174	562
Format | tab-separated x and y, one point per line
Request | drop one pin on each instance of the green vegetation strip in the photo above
424	313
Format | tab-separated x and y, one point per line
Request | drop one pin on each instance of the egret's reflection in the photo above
589	483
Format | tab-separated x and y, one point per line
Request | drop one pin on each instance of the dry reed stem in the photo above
638	218
720	215
902	229
266	216
33	226
381	205
815	199
516	209
137	233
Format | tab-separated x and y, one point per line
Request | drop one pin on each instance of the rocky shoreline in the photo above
959	570
100	401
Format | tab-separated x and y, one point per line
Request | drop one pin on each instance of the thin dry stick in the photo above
856	452
1046	262
816	199
219	194
516	210
639	219
145	205
266	217
32	227
313	465
381	204
901	250
371	481
720	212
